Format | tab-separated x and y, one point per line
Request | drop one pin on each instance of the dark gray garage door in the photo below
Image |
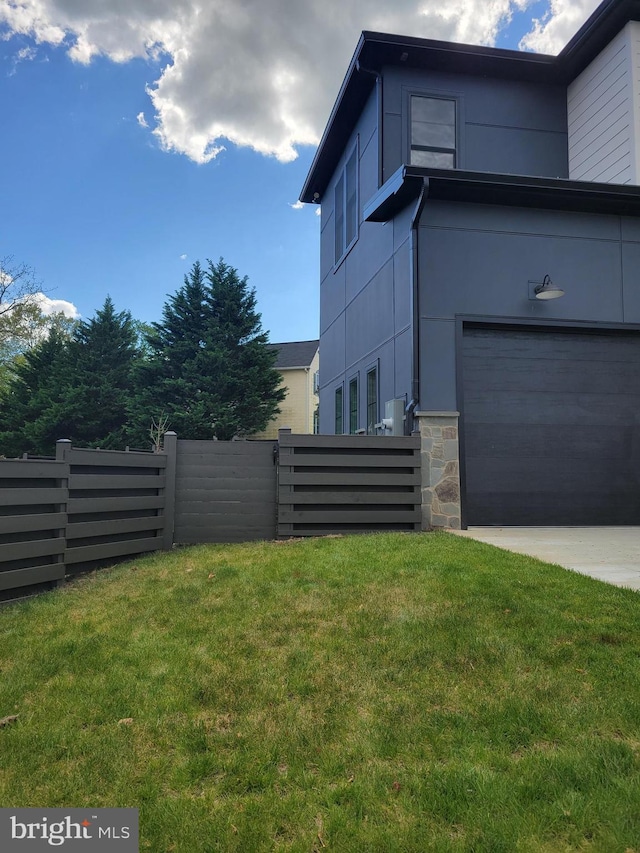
551	427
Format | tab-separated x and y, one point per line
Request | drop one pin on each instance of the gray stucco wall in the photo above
506	126
478	259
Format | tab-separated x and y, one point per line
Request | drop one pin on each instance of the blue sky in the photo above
109	177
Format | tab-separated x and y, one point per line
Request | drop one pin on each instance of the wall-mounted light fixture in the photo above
545	289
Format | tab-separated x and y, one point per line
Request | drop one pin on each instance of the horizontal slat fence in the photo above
331	484
116	505
33	517
88	508
77	512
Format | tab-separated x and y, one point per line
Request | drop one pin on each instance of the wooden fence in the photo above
225	491
116	505
79	511
348	484
88	508
33	518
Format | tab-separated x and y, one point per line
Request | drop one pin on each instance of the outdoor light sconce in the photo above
545	289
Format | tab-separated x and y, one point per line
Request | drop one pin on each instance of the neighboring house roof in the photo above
375	50
294	354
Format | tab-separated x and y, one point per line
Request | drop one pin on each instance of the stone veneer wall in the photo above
440	469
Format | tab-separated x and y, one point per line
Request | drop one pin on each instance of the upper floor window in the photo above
346	206
433	132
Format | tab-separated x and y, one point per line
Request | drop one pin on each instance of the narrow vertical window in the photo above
353	405
351	199
433	132
339	411
339	207
346	206
372	400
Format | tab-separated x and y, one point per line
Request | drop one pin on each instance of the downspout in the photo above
415	307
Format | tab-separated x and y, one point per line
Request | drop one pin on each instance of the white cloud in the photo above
56	306
26	54
297	205
141	120
183	257
46	305
258	73
564	18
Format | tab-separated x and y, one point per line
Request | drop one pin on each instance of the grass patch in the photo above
375	693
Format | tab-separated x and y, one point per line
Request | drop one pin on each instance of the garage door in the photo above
551	427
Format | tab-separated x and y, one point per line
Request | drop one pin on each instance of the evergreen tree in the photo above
31	419
78	389
209	369
24	328
99	385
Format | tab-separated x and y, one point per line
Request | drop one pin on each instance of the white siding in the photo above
634	34
600	112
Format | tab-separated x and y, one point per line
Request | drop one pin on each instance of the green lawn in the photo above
376	693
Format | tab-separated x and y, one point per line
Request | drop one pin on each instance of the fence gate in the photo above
225	491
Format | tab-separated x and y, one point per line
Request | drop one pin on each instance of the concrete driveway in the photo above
611	554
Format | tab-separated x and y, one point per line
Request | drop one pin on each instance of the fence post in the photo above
285	492
170	447
63	454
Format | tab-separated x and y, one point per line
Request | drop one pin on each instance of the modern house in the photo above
461	188
298	362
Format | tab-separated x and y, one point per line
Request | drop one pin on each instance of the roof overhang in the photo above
377	50
511	190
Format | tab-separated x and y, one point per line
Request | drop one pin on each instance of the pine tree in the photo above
78	389
99	385
31	417
209	369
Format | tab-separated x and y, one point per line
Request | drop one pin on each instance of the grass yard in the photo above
376	693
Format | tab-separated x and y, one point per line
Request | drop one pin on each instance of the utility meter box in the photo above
394	417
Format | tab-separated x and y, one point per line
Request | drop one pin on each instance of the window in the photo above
353	405
316	382
372	400
339	410
433	132
346	206
316	420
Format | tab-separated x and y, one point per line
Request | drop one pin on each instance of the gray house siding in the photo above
505	126
514	431
365	297
477	260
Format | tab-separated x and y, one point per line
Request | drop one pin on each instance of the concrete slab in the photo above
610	554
